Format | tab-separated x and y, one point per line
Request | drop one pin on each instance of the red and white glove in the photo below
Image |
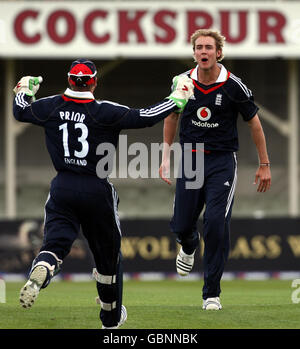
182	90
28	85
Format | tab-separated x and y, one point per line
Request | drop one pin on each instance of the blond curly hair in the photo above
219	39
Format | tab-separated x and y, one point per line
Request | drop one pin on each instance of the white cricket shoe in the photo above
31	289
212	303
184	263
123	318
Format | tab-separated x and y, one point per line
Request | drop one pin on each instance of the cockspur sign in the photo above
146	29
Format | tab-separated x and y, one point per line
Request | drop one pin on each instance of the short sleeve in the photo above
243	98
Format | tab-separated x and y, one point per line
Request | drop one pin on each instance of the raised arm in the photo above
183	88
25	91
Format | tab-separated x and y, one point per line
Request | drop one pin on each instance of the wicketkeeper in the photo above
75	124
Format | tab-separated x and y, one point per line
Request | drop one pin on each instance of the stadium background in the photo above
265	227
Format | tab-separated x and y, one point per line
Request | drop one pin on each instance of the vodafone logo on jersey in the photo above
204	114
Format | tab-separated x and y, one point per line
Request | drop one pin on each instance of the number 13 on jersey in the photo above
81	139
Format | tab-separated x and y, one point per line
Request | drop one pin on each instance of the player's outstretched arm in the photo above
263	173
183	89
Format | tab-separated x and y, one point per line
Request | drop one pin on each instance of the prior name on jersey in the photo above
75	124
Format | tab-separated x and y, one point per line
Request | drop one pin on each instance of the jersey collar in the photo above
223	76
78	96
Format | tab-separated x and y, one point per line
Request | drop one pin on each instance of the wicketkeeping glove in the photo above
29	85
182	90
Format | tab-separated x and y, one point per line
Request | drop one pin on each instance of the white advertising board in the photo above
146	29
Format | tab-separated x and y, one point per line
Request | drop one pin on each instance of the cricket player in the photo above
210	118
75	124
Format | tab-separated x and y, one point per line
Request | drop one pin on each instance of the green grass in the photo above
165	304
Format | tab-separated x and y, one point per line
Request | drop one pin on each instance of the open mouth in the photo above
204	59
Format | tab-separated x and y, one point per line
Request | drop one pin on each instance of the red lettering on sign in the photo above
146	27
242	26
19	27
88	27
271	23
127	25
160	21
193	20
52	27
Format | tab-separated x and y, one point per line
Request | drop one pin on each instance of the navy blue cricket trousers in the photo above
87	202
216	195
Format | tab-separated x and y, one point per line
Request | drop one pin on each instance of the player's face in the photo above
205	52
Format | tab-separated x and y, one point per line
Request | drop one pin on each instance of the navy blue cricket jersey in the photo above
75	124
210	116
